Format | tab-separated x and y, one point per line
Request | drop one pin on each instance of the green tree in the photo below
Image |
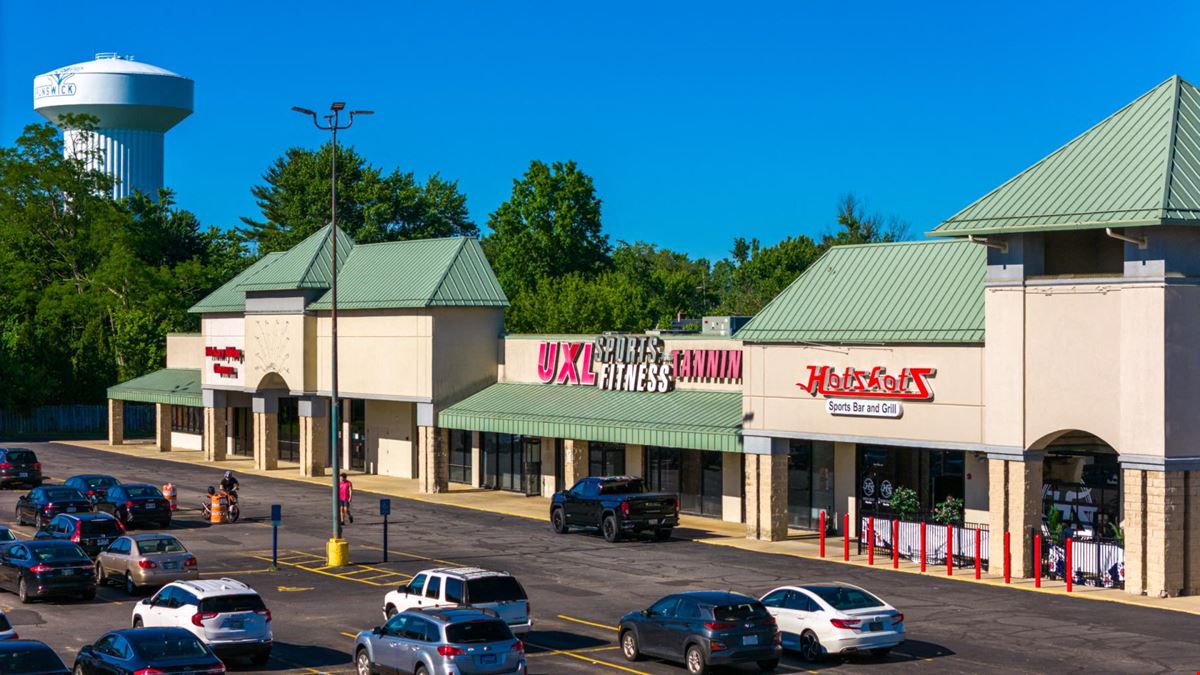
372	206
754	274
672	283
574	303
858	227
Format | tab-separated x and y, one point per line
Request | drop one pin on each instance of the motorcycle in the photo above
233	512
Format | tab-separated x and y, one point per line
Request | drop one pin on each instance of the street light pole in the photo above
337	551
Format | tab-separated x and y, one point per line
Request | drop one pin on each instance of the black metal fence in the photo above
958	540
84	419
1095	561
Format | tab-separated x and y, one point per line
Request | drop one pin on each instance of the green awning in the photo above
700	420
177	386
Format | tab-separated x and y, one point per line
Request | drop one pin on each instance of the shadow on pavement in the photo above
551	640
296	656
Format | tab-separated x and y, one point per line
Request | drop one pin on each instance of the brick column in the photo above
266	432
216	440
766	496
314	436
1133	507
162	426
116	422
1165	520
1024	512
434	459
575	462
997	513
1191	528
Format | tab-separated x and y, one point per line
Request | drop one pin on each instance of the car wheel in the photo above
558	521
881	652
694	658
421	670
768	665
23	592
609	529
629	646
810	647
362	663
390	611
38	522
100	579
19	519
138	623
663	534
130	587
79	669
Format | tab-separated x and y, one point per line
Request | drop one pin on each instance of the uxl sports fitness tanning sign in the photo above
868	393
634	363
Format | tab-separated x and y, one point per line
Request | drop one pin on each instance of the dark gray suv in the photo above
453	641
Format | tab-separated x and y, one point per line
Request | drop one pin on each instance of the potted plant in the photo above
949	511
906	503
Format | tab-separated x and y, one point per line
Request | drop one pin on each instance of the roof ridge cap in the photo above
1173	139
446	272
332	232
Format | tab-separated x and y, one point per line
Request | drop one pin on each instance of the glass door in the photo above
243	434
711	487
289	430
532	474
358	434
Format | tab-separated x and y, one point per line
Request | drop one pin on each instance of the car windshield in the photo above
623	487
740	612
160	545
175	645
101	481
842	598
101	527
59	554
142	491
223	604
480	630
30	661
494	589
63	494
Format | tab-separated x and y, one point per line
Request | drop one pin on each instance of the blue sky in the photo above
699	121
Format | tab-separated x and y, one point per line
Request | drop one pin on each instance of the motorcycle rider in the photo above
229	484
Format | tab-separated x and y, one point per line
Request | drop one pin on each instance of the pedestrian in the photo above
345	496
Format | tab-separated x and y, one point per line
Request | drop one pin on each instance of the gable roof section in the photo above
231	297
1138	167
450	272
908	292
304	266
176	386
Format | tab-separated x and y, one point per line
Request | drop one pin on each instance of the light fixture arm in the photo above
1001	246
1140	242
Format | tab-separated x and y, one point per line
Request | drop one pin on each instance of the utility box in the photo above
724	326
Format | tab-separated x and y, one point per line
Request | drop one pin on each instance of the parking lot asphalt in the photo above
579	586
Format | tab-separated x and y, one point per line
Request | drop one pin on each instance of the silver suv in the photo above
226	614
460	641
499	592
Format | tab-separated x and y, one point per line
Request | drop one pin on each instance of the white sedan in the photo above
834	618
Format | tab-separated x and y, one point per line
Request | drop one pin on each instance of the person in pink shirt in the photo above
345	495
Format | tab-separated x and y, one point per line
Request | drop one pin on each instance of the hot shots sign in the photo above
633	363
868	393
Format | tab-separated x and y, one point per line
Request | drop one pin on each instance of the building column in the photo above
1156	532
314	436
434	458
845	486
215	437
766	489
733	481
476	459
116	422
1014	506
266	431
575	461
162	426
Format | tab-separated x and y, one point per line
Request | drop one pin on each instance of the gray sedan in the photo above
148	559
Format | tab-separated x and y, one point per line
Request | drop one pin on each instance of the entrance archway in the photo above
1081	479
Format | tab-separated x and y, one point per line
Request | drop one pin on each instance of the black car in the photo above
93	485
30	657
19	466
147	650
616	505
43	503
92	531
36	569
703	630
137	503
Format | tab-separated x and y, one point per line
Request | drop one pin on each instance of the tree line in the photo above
89	286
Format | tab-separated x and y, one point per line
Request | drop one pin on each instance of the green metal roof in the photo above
702	420
450	272
176	386
305	265
231	297
912	292
1138	167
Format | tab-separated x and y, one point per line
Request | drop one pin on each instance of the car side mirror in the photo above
648	612
145	601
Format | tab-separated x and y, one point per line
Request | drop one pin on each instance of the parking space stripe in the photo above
415	556
349	575
588	659
564	617
583	650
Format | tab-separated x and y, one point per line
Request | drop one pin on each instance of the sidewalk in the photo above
703	530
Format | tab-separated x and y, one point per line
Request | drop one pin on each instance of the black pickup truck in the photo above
617	505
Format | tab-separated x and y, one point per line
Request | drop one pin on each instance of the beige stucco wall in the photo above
774	401
465	351
380	353
222	330
182	441
1182	373
185	350
732	485
975	488
391	438
275	346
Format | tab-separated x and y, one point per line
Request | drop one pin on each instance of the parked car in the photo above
6	535
37	569
440	642
30	657
141	651
499	592
702	629
139	560
19	466
92	531
136	503
7	632
93	485
834	618
226	614
43	503
617	505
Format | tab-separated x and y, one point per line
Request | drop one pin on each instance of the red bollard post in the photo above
978	554
1007	560
949	550
922	546
846	537
1069	572
871	540
1037	561
822	534
895	544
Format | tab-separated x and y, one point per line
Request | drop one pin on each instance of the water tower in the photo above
135	103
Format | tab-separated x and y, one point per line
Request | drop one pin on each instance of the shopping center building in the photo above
1037	354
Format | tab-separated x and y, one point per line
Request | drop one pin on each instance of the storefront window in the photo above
810	482
512	463
460	456
606	459
663	468
933	474
242	429
701	482
289	430
187	419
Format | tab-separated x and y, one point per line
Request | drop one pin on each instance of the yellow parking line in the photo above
592	661
323	571
587	650
349	635
415	556
226	572
402	577
586	623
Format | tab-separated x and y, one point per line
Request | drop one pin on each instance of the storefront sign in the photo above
912	384
225	354
617	363
566	363
712	365
863	407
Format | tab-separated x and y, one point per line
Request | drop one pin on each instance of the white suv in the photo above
499	592
225	614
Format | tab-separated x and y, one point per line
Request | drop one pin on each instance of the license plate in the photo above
875	626
653	521
171	566
23	474
750	640
235	624
68	572
487	660
102	541
70	509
